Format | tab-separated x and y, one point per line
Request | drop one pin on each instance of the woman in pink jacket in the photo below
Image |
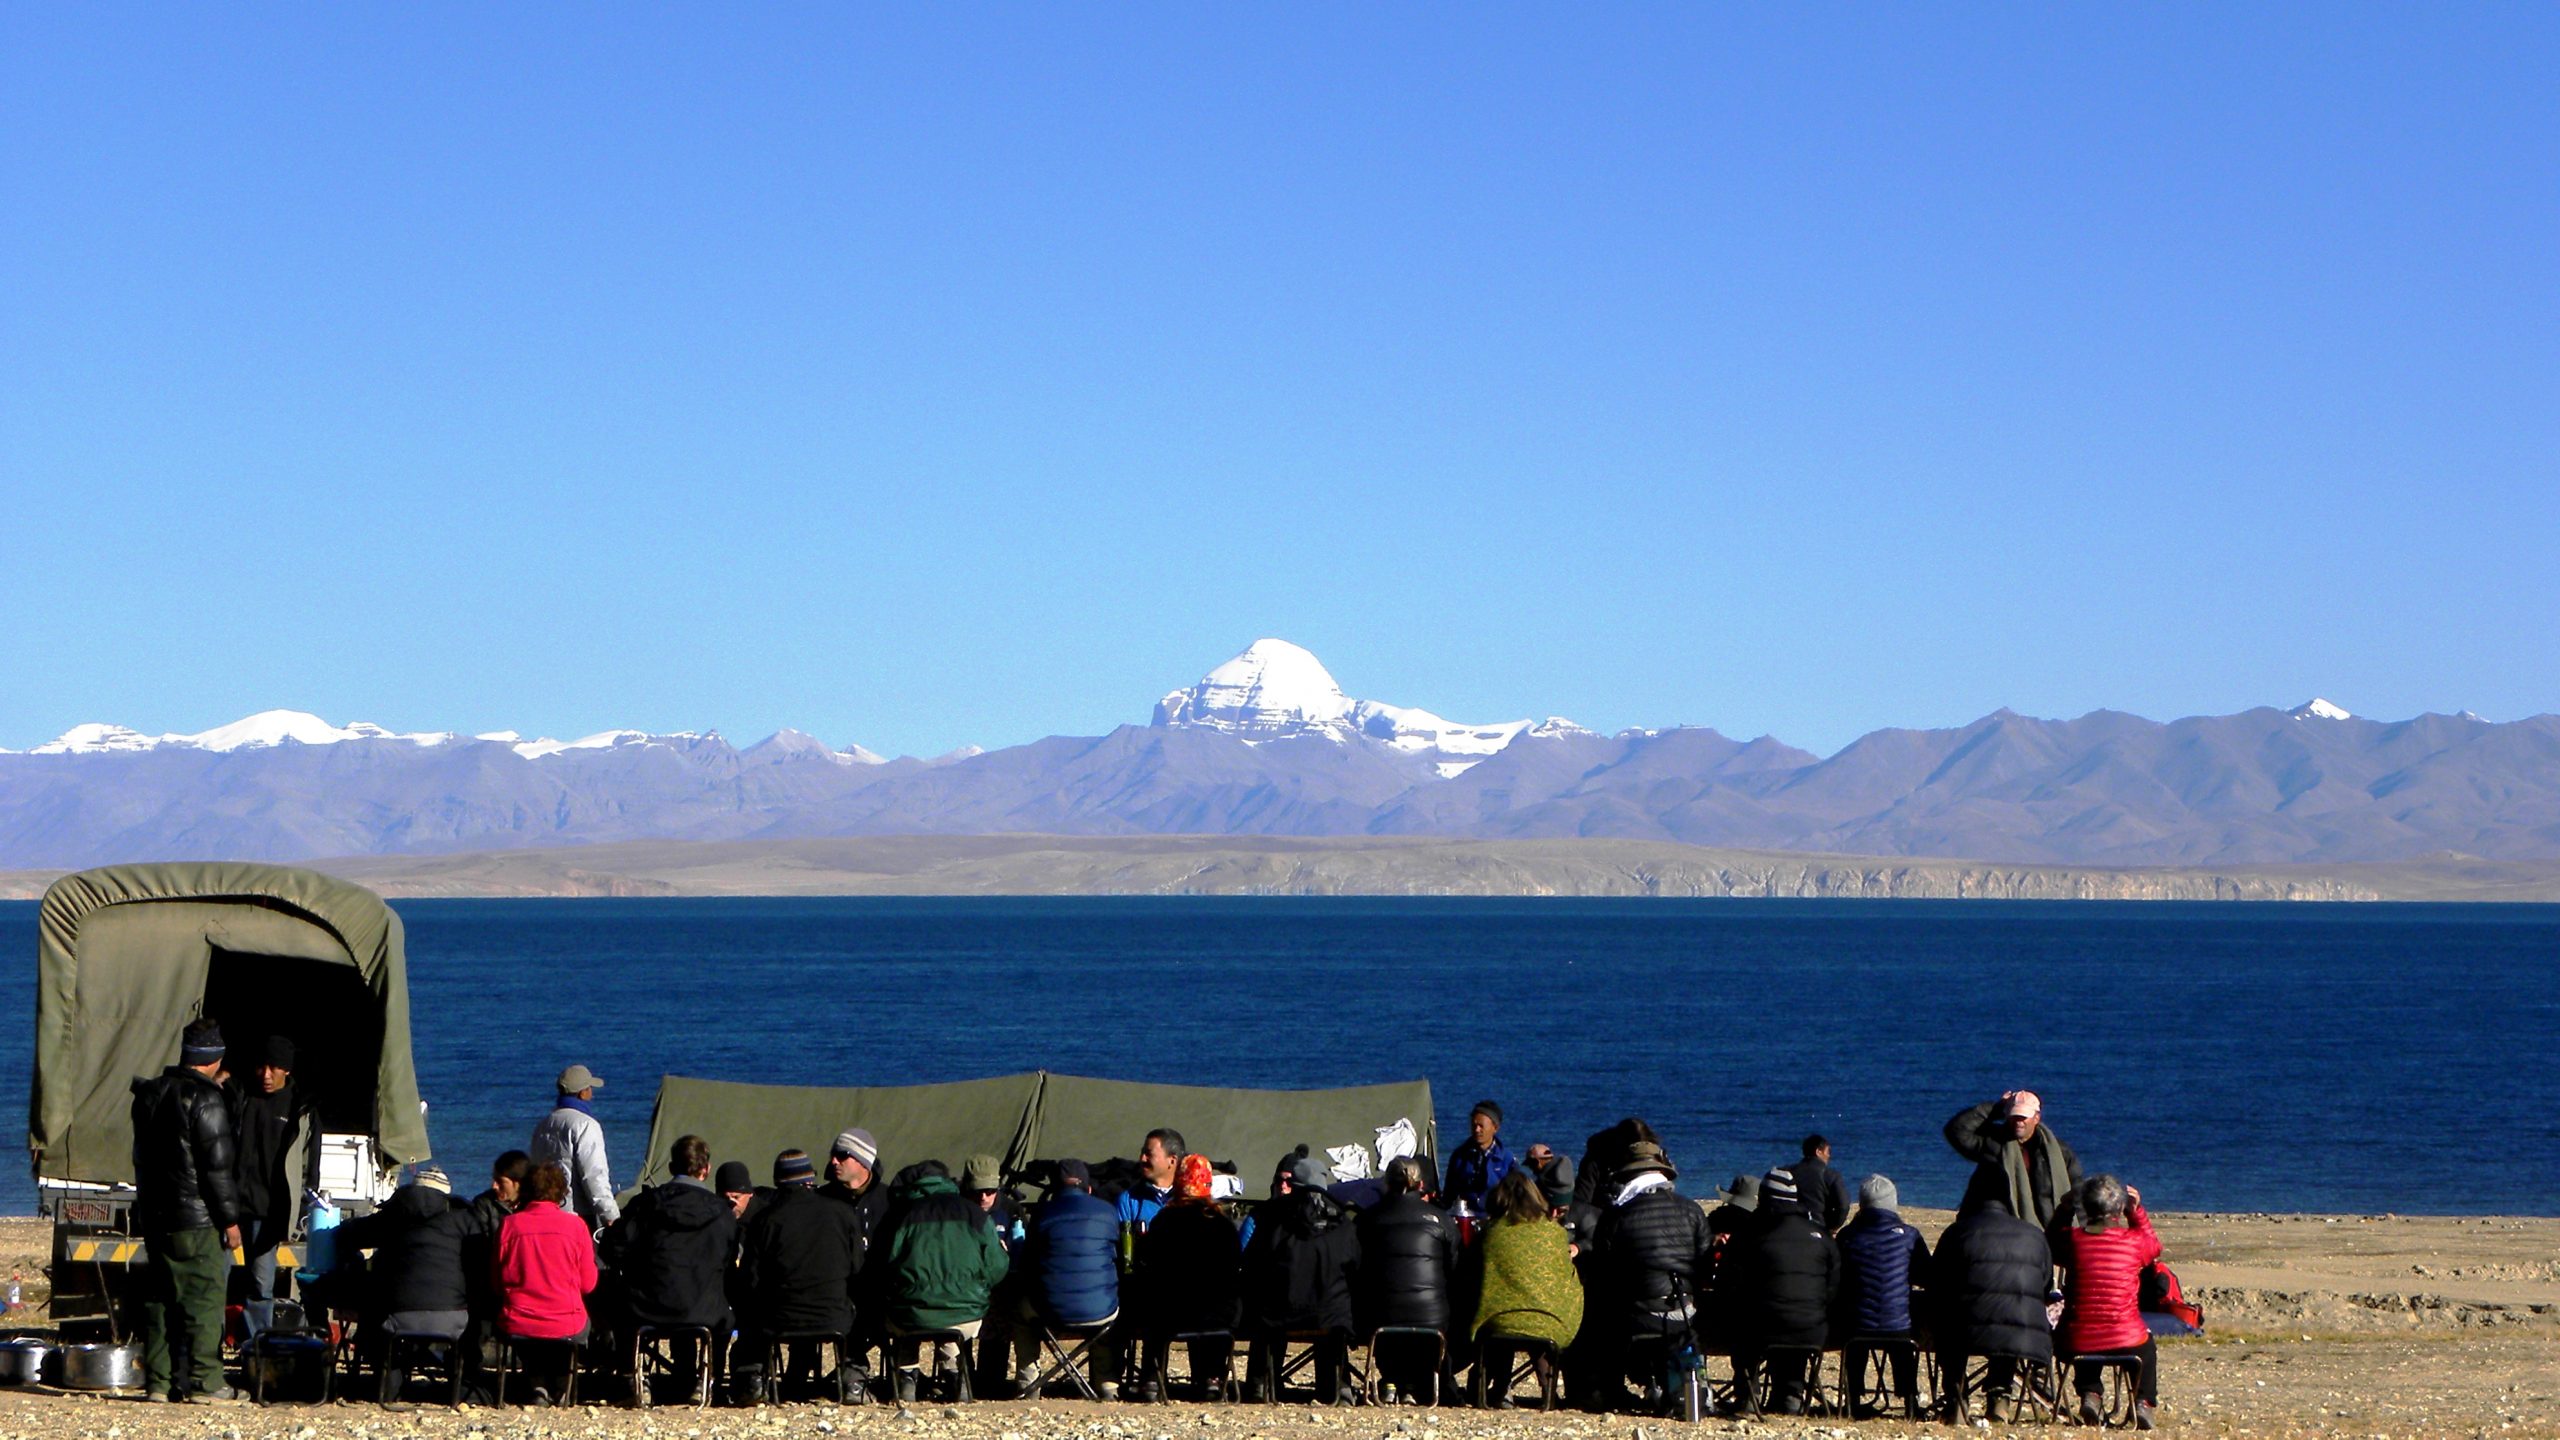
546	1264
2106	1251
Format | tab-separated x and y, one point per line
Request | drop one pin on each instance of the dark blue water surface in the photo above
2221	1057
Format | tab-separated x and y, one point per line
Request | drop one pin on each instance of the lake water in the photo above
2221	1057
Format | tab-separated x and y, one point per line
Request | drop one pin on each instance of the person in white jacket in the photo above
571	1137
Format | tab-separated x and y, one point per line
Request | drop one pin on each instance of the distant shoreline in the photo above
1049	865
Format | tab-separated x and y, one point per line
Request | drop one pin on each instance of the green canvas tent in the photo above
127	955
1038	1115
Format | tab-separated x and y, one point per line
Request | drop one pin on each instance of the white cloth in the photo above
1649	1180
573	1140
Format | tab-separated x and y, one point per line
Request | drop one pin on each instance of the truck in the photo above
126	956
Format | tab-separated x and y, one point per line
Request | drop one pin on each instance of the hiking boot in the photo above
907	1386
2142	1416
218	1395
1995	1407
2090	1414
1108	1389
158	1397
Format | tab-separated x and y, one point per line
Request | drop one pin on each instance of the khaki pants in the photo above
908	1354
182	1312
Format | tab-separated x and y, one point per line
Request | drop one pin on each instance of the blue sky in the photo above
921	377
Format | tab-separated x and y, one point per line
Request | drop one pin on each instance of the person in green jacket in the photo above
1530	1288
944	1261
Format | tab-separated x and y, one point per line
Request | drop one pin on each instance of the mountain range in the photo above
1268	744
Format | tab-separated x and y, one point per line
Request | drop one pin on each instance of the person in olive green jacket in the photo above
1530	1288
944	1261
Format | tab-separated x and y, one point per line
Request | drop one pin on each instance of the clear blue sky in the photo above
927	376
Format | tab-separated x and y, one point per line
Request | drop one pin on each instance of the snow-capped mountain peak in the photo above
266	728
2319	709
1275	690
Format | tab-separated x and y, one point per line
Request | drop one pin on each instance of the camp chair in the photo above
512	1348
1072	1363
1160	1362
653	1353
830	1345
404	1347
1875	1380
1278	1365
2036	1385
930	1343
1512	1358
1372	1381
2119	1384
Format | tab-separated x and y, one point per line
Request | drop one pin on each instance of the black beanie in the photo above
1489	1110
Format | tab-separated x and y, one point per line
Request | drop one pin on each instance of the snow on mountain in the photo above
1275	690
2318	709
267	727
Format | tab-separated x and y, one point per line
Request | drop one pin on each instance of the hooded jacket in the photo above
1407	1249
672	1249
1880	1258
944	1257
2102	1294
1071	1255
1987	1285
418	1239
796	1268
1298	1269
1789	1272
184	1161
1187	1267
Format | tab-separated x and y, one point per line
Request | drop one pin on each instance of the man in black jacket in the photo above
415	1281
2017	1159
1651	1254
673	1247
1821	1192
1408	1247
796	1268
266	1113
1297	1279
1788	1274
1987	1287
187	1205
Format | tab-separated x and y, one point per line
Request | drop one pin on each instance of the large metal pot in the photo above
101	1367
22	1361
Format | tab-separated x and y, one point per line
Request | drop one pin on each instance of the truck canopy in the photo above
128	954
1038	1115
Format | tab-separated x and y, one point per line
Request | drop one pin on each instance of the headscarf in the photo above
1191	1179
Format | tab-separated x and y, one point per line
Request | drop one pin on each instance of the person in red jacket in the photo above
2104	1255
546	1264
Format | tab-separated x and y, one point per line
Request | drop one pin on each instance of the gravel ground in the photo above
2330	1326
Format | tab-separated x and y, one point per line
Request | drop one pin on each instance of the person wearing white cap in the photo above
2017	1159
571	1138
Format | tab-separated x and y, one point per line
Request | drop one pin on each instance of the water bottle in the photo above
17	1289
320	1245
1693	1397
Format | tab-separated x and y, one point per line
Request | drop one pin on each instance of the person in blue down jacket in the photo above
1067	1274
1881	1258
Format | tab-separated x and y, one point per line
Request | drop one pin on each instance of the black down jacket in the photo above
1789	1271
796	1269
1186	1271
1987	1285
1643	1245
183	1157
1407	1248
672	1247
1298	1270
417	1239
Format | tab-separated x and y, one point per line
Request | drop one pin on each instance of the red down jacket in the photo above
2102	1294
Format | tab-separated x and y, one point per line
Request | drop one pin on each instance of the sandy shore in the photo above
2332	1326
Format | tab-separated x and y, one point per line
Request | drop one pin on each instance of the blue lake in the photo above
2221	1057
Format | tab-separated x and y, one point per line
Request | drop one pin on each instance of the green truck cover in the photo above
1038	1115
123	955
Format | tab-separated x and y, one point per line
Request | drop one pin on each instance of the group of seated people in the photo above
1600	1274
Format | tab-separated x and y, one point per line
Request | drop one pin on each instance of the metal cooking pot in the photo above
22	1361
101	1367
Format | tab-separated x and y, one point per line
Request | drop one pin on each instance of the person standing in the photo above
267	1122
187	1205
572	1138
1479	1165
2017	1159
1821	1191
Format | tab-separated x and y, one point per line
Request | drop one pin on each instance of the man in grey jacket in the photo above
570	1137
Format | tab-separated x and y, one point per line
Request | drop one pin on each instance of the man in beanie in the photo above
187	1206
2017	1159
415	1281
853	1180
1881	1259
571	1138
1066	1274
1479	1165
266	1118
796	1271
1787	1275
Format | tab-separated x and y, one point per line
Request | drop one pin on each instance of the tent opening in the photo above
323	1006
